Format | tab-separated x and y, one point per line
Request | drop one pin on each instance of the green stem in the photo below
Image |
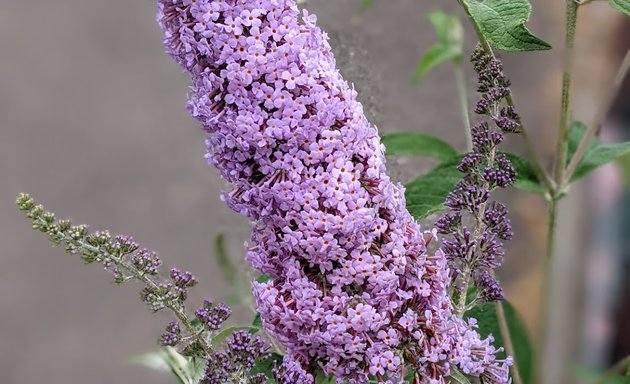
602	111
542	333
463	103
565	110
507	340
460	306
543	341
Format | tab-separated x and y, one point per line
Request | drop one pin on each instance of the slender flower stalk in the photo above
354	290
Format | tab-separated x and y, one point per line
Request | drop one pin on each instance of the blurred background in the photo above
93	124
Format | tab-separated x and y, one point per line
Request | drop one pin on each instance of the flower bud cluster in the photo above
353	290
477	225
232	364
212	315
127	260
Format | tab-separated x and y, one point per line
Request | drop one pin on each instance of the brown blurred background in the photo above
93	123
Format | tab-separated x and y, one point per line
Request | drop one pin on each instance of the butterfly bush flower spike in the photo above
353	290
478	226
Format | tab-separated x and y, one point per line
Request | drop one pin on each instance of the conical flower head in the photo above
353	289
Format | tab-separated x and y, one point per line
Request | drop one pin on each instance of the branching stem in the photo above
559	167
565	110
602	111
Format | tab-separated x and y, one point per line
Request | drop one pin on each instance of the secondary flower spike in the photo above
353	290
477	225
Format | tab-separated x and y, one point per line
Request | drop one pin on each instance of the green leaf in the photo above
457	377
197	324
597	153
266	366
220	337
416	144
434	56
425	195
168	359
263	279
197	369
502	23
576	132
448	28
486	315
526	178
621	5
257	321
449	46
592	376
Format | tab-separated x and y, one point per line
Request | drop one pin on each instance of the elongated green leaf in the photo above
433	57
448	29
409	143
425	194
168	359
227	332
486	315
153	360
597	153
502	23
197	369
449	46
593	376
457	377
621	5
576	132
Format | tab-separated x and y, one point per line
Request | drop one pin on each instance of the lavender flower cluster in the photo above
353	290
477	225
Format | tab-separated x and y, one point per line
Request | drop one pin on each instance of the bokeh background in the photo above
93	124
